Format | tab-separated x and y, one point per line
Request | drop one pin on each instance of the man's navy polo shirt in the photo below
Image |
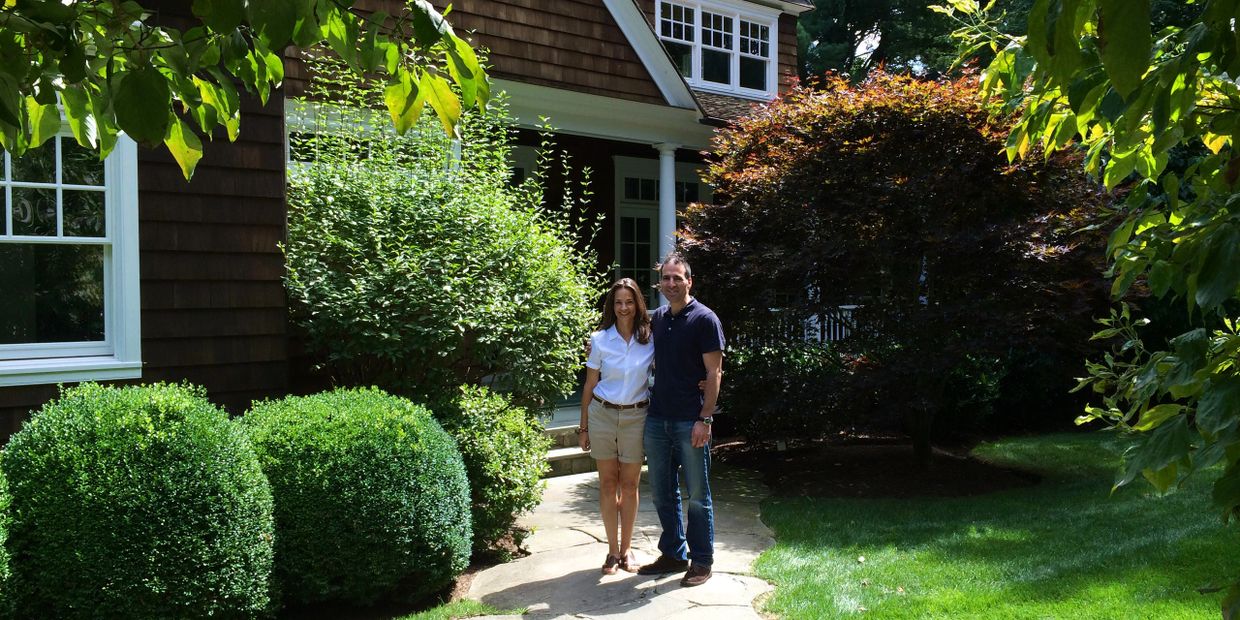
680	340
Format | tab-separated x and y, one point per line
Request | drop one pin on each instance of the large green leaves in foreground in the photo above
114	66
1091	73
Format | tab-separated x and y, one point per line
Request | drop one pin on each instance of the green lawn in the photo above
1065	548
461	609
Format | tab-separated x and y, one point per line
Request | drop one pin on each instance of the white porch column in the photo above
667	201
667	198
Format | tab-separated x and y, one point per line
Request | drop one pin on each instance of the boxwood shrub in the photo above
370	493
136	502
505	453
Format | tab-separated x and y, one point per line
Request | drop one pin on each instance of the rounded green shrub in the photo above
370	496
136	502
505	453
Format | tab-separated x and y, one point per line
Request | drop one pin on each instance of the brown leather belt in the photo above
608	405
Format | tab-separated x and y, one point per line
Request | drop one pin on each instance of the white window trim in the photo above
119	356
737	11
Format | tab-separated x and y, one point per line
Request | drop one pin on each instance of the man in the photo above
688	353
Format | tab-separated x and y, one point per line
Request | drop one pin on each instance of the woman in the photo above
613	413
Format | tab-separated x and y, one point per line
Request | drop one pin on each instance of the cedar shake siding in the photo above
568	44
213	305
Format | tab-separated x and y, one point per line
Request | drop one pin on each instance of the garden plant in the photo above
417	265
136	502
370	496
505	454
893	195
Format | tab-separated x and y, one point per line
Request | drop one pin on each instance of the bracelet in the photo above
581	429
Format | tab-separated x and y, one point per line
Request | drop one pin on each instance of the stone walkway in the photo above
561	579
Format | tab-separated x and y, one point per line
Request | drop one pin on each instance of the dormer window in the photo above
721	46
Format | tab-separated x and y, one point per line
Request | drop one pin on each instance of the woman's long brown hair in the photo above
641	319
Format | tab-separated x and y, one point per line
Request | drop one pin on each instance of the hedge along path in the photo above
561	578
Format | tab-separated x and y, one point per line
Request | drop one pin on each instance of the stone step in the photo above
562	436
569	460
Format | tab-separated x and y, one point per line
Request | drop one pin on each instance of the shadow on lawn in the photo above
1066	541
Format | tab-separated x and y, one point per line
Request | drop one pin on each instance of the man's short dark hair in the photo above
675	258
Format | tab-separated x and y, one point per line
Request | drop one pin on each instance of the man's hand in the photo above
701	434
583	439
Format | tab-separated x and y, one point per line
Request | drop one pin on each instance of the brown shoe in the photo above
696	576
610	564
664	565
629	563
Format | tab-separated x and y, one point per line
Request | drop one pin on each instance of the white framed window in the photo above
69	265
721	46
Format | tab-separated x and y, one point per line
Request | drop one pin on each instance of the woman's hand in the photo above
583	439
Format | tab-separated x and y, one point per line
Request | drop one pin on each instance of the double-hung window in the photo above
721	46
69	264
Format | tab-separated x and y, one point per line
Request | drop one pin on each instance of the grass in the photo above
1065	548
461	609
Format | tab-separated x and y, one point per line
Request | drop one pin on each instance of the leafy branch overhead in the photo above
115	67
1156	112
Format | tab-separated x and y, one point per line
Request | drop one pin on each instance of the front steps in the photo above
565	456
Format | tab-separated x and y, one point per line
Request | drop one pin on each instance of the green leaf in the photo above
441	98
1226	491
1219	406
274	20
44	121
404	101
463	66
429	27
1220	269
1169	443
142	102
78	114
185	147
1154	416
222	15
1120	167
1160	277
10	101
1124	41
1063	26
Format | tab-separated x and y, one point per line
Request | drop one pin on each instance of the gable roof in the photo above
652	53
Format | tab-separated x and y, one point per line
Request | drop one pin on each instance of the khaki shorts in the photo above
616	433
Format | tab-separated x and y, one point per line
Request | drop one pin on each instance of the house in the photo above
124	271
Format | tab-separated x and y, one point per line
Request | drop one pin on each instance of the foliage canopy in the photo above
116	66
895	195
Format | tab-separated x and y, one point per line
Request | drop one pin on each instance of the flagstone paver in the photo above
561	579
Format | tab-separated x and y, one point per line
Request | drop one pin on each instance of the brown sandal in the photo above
629	563
609	566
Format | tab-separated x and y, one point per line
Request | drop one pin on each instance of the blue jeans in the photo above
668	451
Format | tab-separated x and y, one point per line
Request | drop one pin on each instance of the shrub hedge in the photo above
136	502
505	454
370	496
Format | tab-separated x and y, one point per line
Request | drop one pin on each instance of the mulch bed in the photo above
871	468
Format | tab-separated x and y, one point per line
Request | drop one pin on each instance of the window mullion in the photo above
8	195
60	194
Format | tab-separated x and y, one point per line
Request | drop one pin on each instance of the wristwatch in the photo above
581	429
707	420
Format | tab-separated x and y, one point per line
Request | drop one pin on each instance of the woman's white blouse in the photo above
624	367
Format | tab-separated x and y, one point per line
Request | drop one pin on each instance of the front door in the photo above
637	245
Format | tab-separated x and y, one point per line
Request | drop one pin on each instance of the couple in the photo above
621	417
